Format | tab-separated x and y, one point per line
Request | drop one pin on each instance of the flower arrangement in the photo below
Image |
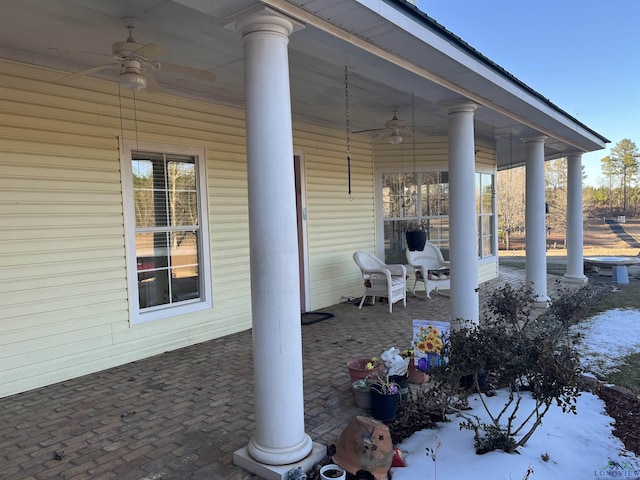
363	368
429	339
395	367
383	384
372	364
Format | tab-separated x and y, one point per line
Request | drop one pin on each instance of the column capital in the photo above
536	139
261	18
577	155
459	106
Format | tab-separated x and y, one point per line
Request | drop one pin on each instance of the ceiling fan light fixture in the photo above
395	139
133	81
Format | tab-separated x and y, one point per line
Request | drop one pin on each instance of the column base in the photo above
242	459
542	301
575	279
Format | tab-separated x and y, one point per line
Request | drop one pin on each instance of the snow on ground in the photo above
607	338
565	446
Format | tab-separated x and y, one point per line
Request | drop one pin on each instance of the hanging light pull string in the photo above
135	119
121	121
347	127
413	143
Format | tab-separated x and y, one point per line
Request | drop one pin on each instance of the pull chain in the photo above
413	138
347	127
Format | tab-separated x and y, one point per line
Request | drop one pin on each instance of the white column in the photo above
575	261
535	219
280	438
463	232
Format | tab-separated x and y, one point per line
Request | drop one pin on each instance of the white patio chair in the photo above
430	268
381	280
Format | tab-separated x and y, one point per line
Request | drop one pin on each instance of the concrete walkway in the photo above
181	415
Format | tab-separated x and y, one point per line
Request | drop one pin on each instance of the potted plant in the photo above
414	375
386	386
385	394
360	368
396	366
362	392
415	233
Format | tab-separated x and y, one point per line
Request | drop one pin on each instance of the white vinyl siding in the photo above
338	224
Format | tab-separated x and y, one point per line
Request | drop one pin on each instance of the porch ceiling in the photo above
391	49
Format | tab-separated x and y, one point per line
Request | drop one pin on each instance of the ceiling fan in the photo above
136	61
392	129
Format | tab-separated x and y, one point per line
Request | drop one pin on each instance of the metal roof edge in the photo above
422	17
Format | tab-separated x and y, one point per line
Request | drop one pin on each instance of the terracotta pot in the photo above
416	376
357	369
365	444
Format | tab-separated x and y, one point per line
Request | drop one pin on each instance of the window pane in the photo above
151	250
486	247
487	193
399	195
184	208
153	290
435	194
394	242
184	251
185	284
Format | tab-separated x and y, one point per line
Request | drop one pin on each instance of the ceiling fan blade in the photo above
89	71
151	50
386	133
152	84
188	72
372	130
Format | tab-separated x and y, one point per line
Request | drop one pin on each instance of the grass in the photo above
626	296
629	374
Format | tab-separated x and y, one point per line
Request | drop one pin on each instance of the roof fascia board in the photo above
461	46
455	48
425	34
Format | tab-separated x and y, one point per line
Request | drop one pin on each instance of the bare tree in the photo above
556	195
511	201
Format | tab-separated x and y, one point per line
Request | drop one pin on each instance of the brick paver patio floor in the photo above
180	415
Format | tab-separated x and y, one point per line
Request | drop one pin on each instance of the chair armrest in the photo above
397	270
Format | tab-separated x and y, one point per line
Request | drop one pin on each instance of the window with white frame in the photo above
423	197
167	233
485	206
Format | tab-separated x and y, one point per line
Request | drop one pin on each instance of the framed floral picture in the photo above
429	336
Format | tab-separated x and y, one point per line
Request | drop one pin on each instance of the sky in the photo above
565	446
583	55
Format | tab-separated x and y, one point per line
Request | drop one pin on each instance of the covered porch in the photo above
273	108
183	413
